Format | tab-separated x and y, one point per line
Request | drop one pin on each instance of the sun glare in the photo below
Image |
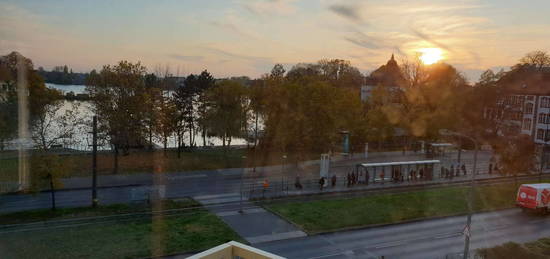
430	55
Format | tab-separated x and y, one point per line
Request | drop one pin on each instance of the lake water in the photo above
77	89
83	111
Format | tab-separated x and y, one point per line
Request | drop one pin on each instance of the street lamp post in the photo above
242	175
283	173
470	192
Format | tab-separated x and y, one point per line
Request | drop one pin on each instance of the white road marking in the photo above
447	235
177	177
391	244
275	236
233	213
216	196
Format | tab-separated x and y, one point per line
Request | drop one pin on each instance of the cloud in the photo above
362	42
347	11
230	26
429	39
270	7
237	56
186	58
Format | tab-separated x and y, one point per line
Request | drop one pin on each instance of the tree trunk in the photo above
179	143
165	144
115	160
52	190
151	137
256	131
203	137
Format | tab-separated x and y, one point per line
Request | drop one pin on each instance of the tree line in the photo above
298	112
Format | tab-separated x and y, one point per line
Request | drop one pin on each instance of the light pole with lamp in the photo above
470	192
283	173
242	176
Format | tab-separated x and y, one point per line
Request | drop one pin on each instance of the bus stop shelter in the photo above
398	171
435	149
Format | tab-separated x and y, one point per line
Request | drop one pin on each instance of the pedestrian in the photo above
321	183
497	170
382	175
333	180
297	184
464	169
367	176
265	185
348	178
421	173
457	171
452	170
490	168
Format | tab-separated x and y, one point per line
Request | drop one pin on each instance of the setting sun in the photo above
430	55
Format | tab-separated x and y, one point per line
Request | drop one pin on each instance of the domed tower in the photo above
388	75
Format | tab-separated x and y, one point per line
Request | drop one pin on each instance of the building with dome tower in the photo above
388	76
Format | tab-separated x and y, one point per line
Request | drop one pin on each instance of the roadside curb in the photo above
413	187
380	225
78	189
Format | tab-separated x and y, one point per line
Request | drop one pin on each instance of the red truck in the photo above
534	197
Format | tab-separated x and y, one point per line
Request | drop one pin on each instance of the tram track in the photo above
352	193
230	206
118	218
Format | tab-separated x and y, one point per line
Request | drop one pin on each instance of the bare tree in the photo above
414	71
55	126
538	58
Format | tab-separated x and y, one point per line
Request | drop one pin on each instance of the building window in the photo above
526	124
529	108
540	134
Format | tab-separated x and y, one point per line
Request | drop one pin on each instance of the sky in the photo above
247	37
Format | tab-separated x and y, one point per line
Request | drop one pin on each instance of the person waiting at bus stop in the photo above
321	183
297	184
265	185
367	176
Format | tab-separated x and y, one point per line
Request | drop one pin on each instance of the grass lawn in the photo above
67	213
155	161
329	215
138	162
139	238
533	250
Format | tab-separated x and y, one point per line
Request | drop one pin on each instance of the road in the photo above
190	184
426	239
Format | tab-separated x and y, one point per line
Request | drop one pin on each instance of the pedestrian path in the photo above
252	222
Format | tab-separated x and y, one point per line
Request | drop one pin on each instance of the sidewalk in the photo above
250	221
306	169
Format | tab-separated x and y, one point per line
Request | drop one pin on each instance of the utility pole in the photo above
467	229
242	176
94	162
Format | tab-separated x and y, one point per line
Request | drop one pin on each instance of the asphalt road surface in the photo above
177	185
436	238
